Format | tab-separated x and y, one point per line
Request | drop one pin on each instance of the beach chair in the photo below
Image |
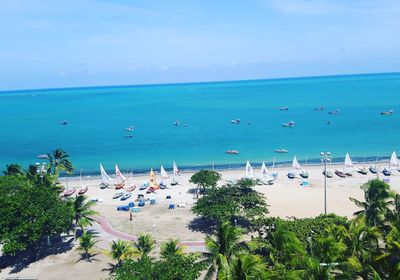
171	206
135	209
152	201
168	197
141	203
305	184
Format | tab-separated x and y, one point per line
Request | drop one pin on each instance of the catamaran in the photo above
83	189
374	169
249	171
105	179
120	179
296	168
265	177
175	173
132	185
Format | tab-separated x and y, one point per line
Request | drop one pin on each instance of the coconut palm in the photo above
225	242
377	202
86	243
121	250
59	160
144	245
170	249
82	212
14	169
244	266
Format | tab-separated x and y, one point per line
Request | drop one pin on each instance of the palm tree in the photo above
242	267
377	202
223	244
59	160
144	245
82	212
14	169
86	243
170	249
121	250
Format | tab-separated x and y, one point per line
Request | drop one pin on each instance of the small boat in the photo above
373	169
249	171
320	108
281	151
297	169
328	174
105	179
43	156
232	152
304	174
394	163
291	175
289	124
177	123
175	173
83	190
335	112
386	171
143	186
130	128
340	174
121	179
150	190
284	108
163	186
64	122
118	195
237	121
131	188
362	171
186	125
69	192
128	136
126	195
386	113
265	178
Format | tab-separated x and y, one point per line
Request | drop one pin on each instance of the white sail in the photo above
105	179
164	173
348	164
249	171
176	171
296	165
264	171
394	161
118	174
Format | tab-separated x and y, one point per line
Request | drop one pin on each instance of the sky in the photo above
52	43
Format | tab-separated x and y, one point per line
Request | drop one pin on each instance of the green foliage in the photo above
205	179
242	267
14	169
59	160
86	243
29	213
82	211
236	200
144	245
170	249
121	250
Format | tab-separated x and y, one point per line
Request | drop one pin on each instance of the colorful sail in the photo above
348	164
176	171
105	179
249	171
118	174
164	173
153	181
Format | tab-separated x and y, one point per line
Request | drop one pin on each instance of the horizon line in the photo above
191	83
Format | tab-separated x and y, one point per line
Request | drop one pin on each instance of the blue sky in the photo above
51	43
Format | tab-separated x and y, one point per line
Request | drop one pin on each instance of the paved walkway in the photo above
112	234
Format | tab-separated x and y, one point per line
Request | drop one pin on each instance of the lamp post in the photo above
325	158
41	170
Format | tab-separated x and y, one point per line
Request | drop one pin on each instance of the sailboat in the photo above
132	186
362	170
265	177
175	173
394	162
249	171
121	179
296	168
83	189
105	179
348	165
274	174
374	169
153	182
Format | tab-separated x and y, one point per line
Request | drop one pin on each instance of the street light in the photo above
325	158
41	170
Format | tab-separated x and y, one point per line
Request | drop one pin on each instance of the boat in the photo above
249	171
386	171
340	174
335	112
164	174
69	192
362	170
83	189
120	179
394	163
64	122
150	190
265	177
130	128
289	124
118	194
126	195
163	185
348	165
143	186
328	173
153	182
232	152
43	156
284	108
175	173
374	169
320	108
281	151
386	113
128	136
274	174
237	121
177	123
297	168
131	188
105	179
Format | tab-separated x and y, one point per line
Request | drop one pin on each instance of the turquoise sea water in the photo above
97	118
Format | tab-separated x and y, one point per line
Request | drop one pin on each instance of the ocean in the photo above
98	117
